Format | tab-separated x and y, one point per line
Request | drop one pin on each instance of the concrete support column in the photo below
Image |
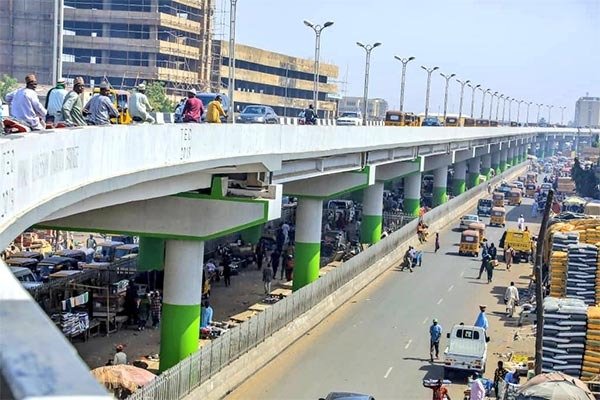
252	234
495	162
473	177
309	216
412	194
459	180
541	150
524	153
152	254
440	183
486	165
550	148
372	219
503	159
180	324
510	155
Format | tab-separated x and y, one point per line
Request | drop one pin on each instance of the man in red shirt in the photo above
193	109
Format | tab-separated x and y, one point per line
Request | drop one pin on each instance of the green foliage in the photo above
157	95
586	181
7	84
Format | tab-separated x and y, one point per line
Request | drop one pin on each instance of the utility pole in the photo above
539	295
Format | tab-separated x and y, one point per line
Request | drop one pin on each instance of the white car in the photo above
466	350
349	118
467	220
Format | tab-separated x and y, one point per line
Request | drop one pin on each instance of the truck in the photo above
466	350
520	241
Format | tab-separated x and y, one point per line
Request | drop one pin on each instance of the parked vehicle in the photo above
28	254
467	220
520	241
350	118
257	114
53	264
125	250
469	243
498	217
26	277
431	121
484	207
479	227
23	262
466	350
79	255
105	251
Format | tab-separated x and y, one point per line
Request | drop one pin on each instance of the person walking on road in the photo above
275	260
521	223
511	299
482	320
534	210
437	242
267	277
259	253
489	268
435	334
499	375
509	254
407	260
493	251
485	260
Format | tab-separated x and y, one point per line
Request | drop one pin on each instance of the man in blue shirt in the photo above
206	314
435	334
482	320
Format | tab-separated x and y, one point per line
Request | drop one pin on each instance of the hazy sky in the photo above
544	51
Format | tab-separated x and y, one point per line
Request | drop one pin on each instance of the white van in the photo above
466	350
26	277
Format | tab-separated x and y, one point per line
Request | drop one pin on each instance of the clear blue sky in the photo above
544	51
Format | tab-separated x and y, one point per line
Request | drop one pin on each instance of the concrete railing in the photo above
227	361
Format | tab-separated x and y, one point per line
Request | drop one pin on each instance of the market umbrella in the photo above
554	386
123	376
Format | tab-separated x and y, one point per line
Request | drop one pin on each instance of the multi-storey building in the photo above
376	108
587	112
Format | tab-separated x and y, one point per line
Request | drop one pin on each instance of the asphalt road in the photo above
378	342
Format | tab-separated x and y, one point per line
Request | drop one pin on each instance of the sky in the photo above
544	51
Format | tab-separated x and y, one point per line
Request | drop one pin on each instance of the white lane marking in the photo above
408	344
462	274
425	320
387	373
440	300
450	288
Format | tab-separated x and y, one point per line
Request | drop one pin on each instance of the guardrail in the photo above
179	381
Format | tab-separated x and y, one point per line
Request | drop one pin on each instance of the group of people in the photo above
191	109
141	308
412	258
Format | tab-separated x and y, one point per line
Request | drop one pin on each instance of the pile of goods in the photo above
558	261
71	324
591	357
564	335
581	272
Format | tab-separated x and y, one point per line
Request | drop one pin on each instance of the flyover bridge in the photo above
178	185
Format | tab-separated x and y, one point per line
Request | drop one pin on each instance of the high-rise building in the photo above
284	82
587	112
376	108
122	41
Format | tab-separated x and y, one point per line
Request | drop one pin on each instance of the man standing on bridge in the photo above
25	105
435	334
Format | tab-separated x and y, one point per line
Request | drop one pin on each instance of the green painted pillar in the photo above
459	179
474	171
503	159
412	194
440	184
152	254
252	234
372	220
308	241
486	166
495	162
180	321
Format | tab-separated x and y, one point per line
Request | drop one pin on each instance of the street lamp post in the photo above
429	72
492	105
231	78
447	78
519	102
484	92
539	106
510	110
562	114
529	103
368	48
504	108
550	107
318	29
473	99
501	97
462	92
404	61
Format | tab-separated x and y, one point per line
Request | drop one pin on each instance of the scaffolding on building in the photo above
220	16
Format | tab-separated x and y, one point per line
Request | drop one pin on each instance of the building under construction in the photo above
122	41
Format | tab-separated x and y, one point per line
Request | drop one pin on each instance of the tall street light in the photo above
500	97
519	102
492	105
368	48
484	92
510	110
473	99
231	78
504	107
447	78
529	103
318	29
462	92
539	106
404	61
429	72
550	107
562	114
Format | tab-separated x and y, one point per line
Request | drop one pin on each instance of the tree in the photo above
7	84
157	95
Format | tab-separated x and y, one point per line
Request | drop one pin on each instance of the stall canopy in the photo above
128	377
554	386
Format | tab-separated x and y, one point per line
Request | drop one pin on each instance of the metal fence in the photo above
178	381
394	220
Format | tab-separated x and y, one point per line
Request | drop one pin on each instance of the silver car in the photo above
258	115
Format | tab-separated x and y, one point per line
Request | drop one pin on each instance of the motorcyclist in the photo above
310	116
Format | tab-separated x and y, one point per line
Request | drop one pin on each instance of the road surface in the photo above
378	342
